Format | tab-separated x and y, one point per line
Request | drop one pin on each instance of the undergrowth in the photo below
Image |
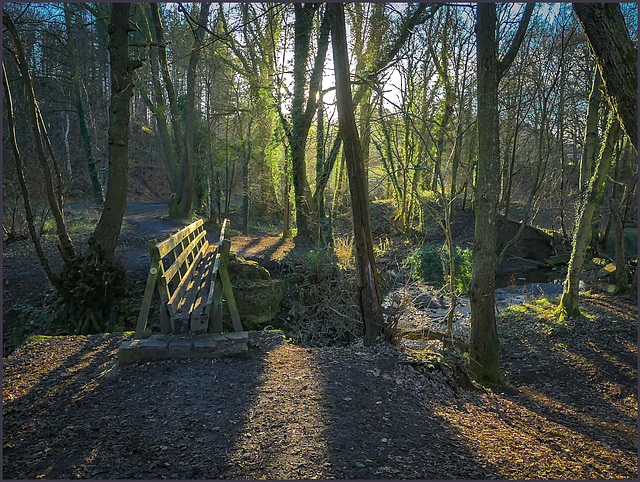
322	304
94	296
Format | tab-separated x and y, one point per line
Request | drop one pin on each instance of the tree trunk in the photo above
175	201
590	132
186	200
83	126
367	274
23	185
484	354
301	119
66	247
622	281
320	168
569	300
159	110
105	236
246	195
617	60
287	208
67	147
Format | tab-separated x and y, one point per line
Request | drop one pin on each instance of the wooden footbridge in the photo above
191	278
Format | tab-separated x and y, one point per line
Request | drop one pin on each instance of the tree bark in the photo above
44	261
174	113
617	60
105	236
159	110
569	300
302	116
590	132
484	354
246	189
367	274
622	279
189	115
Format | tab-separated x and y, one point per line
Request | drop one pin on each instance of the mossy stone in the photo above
258	301
243	270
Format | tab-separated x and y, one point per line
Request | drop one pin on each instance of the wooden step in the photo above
174	347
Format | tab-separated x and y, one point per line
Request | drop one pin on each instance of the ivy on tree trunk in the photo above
569	300
617	60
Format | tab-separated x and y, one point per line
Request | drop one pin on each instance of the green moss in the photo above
258	301
38	338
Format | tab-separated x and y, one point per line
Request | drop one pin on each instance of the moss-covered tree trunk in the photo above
367	274
158	107
246	188
569	300
590	145
622	279
105	236
83	126
174	112
617	60
302	115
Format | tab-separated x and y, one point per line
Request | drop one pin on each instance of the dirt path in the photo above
290	412
284	413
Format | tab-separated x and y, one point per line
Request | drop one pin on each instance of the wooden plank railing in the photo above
191	277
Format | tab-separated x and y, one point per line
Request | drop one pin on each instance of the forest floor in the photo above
568	411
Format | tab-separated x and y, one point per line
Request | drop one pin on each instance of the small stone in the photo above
359	465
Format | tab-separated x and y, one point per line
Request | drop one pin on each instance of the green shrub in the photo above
430	264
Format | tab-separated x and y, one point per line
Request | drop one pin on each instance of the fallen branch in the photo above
432	335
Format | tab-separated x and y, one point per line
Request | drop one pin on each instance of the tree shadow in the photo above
284	412
260	249
379	428
166	419
585	379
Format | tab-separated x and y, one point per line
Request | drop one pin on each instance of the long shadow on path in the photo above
379	428
170	419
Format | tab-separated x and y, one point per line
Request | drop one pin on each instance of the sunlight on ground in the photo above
503	434
292	444
616	361
611	306
630	347
17	367
568	411
269	247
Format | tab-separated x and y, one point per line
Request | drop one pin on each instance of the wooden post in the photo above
226	285
146	299
220	283
215	315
